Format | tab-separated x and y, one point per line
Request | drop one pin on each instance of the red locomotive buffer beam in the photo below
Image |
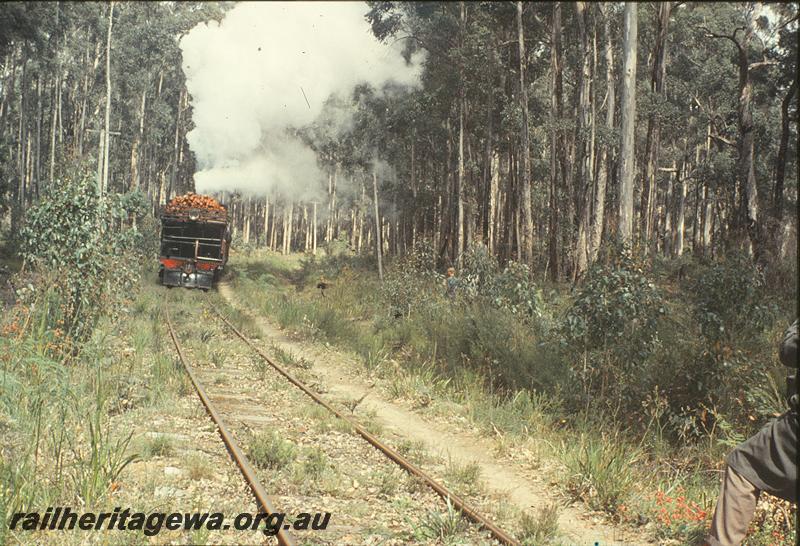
195	239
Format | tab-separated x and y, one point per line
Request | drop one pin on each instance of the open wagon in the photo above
195	238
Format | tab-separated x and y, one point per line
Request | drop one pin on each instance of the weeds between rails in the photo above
452	500
237	455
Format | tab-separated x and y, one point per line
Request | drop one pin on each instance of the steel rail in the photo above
262	499
404	463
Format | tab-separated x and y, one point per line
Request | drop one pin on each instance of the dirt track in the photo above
502	479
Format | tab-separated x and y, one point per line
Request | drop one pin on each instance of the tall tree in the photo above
653	141
378	230
106	134
780	162
746	213
557	149
584	138
604	160
461	107
628	106
525	168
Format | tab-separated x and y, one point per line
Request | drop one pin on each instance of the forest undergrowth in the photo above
637	381
66	364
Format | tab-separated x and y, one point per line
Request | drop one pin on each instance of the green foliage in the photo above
314	464
618	306
102	463
81	242
127	206
524	413
338	247
510	288
610	332
716	361
150	229
55	416
408	282
732	304
441	527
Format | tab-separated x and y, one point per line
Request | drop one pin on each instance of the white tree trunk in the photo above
107	123
680	220
378	240
314	239
602	175
627	167
526	251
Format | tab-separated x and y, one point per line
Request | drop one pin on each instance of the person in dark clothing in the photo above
766	461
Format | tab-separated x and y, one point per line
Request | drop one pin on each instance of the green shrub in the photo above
410	280
618	307
270	451
509	288
731	303
74	235
611	331
719	350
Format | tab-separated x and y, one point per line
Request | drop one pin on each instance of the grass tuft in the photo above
540	528
158	446
600	471
443	527
198	467
268	450
464	476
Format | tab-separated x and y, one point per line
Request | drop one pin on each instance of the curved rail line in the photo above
404	463
262	499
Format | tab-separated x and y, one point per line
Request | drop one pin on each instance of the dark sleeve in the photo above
788	349
768	459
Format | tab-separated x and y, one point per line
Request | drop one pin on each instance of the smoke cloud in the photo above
268	67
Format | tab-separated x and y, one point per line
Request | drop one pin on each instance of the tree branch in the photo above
788	22
723	140
731	37
759	64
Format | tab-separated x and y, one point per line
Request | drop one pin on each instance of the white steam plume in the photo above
269	66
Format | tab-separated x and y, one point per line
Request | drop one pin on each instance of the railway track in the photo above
262	499
248	472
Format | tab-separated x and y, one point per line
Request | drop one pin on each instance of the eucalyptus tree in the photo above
542	75
76	76
628	107
786	54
